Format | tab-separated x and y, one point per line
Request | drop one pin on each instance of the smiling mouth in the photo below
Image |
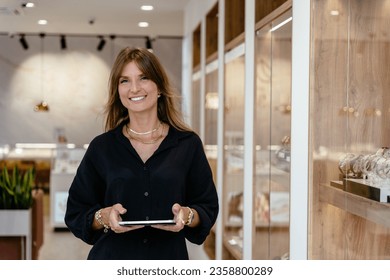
138	98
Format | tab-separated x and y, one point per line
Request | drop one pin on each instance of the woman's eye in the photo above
143	78
122	81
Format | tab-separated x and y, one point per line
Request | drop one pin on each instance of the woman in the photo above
148	165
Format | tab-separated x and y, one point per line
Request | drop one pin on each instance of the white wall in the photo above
74	82
195	12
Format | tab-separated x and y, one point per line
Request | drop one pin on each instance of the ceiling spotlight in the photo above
143	24
148	44
147	7
63	42
28	5
101	43
42	22
23	42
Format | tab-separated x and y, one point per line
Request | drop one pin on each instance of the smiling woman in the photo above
148	166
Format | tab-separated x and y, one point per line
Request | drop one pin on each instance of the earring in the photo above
158	96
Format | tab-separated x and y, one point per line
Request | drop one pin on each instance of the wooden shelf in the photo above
377	212
235	251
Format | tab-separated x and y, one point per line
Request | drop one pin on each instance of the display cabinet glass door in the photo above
349	112
211	116
234	154
272	129
195	114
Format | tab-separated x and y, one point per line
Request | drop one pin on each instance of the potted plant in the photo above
16	188
16	199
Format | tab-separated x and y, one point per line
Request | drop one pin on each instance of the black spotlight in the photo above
63	42
148	44
23	42
101	44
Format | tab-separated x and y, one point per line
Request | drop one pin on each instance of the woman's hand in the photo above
111	216
180	216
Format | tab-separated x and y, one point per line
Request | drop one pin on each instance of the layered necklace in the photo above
152	140
145	133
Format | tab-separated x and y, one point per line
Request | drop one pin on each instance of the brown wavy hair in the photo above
150	66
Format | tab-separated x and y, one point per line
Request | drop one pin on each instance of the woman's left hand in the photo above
179	214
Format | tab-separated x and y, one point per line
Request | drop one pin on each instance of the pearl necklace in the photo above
144	133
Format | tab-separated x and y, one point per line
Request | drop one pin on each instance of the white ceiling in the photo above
109	17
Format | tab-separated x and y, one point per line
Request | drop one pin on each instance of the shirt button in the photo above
145	240
145	168
146	194
147	218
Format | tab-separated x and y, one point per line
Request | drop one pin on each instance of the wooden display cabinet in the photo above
349	104
233	169
272	132
210	135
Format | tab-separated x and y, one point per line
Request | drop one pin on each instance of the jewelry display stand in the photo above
361	187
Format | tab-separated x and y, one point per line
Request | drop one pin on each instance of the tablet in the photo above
147	223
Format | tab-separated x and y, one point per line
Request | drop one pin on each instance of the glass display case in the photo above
195	108
340	57
64	166
272	139
210	135
349	89
211	115
232	208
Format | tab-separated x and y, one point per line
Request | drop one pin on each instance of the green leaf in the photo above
16	190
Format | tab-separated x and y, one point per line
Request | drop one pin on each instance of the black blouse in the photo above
112	172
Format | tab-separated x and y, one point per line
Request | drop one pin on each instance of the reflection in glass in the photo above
195	114
211	118
234	155
349	113
272	139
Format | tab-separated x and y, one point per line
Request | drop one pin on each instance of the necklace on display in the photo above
145	133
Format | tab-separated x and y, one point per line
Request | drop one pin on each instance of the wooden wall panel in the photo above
265	7
234	19
196	47
212	33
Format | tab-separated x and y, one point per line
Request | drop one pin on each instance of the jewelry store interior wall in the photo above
73	82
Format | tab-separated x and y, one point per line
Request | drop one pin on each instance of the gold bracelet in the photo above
98	217
190	217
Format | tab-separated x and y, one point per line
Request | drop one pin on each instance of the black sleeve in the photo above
201	195
85	198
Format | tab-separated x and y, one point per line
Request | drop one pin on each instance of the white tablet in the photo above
147	222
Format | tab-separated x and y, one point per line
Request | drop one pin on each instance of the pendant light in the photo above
42	106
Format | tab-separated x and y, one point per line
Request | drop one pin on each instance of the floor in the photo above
62	245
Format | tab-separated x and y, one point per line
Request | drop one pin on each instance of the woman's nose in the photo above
134	87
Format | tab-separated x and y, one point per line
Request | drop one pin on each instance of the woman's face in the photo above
136	91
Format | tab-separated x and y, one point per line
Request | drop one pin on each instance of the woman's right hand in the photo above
111	216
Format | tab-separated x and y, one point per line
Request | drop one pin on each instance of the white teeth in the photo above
137	98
